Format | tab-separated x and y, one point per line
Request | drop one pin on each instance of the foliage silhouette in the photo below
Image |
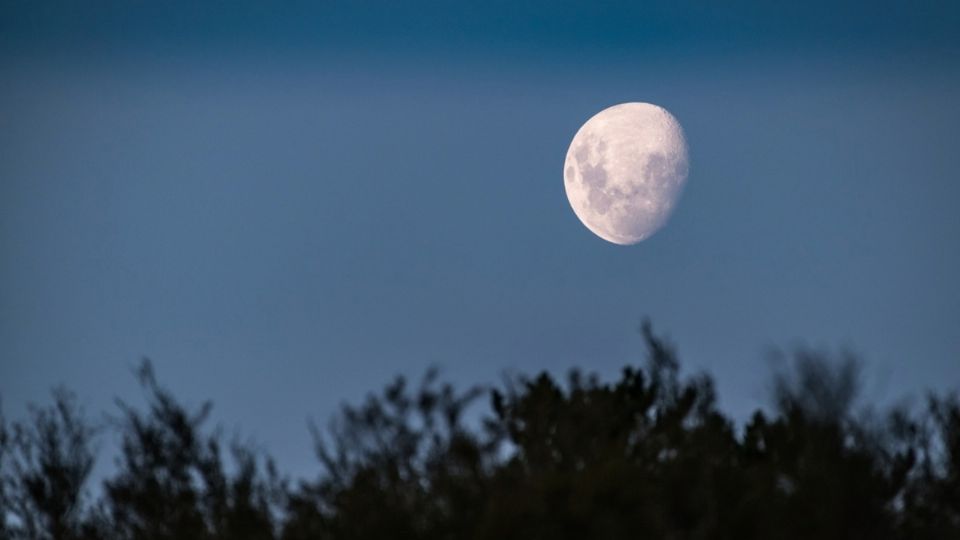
172	481
45	465
648	455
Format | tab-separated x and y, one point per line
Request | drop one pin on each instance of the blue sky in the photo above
284	207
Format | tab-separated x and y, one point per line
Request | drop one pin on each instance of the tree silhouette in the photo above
44	465
172	482
647	455
641	456
402	465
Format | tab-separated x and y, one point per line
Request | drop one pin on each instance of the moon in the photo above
625	169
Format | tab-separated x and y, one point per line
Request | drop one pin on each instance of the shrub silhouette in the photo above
45	463
648	455
172	481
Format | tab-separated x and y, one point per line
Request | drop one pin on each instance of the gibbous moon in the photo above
625	170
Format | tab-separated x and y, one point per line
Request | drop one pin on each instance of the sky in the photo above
285	205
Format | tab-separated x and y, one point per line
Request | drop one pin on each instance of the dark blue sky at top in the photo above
285	204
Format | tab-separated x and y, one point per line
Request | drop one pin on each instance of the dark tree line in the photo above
647	456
